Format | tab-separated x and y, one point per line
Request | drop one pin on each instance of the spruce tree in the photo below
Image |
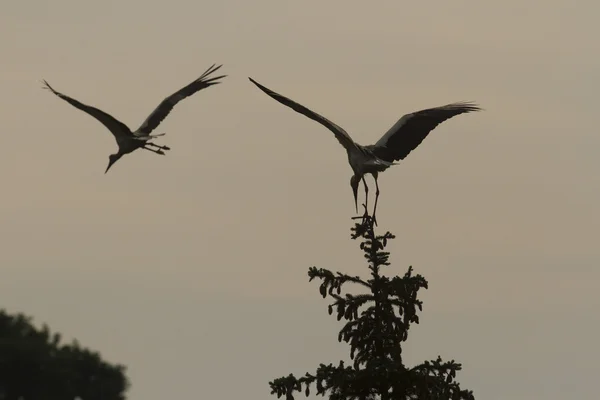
377	324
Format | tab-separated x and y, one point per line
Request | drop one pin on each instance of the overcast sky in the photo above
190	269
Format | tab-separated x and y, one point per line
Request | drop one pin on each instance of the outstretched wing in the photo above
165	107
410	130
116	127
340	134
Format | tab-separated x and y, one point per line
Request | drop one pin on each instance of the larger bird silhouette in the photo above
402	138
129	141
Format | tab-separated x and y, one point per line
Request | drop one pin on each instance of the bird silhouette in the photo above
129	141
402	138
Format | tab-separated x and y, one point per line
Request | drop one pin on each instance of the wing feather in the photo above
341	135
116	127
410	130
165	107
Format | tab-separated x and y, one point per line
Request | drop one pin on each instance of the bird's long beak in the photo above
355	191
110	163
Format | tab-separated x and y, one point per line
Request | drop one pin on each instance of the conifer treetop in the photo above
377	321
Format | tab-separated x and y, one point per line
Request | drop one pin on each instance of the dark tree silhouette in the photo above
377	325
34	365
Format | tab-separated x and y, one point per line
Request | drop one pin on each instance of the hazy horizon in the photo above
159	265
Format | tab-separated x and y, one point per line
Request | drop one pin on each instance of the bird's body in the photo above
129	141
363	160
403	137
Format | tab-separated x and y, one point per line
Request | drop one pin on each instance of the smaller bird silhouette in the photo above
129	141
402	138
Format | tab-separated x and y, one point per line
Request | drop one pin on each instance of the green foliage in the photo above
377	323
34	365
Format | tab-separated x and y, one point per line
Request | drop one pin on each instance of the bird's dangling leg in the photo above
366	192
376	198
160	147
366	197
159	151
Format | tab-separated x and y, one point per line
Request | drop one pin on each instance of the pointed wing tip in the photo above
214	68
47	86
215	80
209	71
261	87
474	107
210	81
468	106
258	85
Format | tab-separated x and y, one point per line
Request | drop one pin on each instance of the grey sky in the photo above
162	263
